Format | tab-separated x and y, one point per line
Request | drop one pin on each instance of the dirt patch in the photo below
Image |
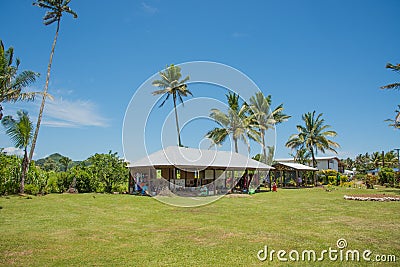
372	197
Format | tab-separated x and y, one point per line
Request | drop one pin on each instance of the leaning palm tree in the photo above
313	136
20	132
264	118
236	123
12	83
170	84
55	8
395	68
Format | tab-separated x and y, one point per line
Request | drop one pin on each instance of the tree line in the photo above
102	173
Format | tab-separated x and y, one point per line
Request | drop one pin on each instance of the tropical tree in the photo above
12	83
302	156
263	118
396	122
376	159
20	132
65	161
109	170
170	84
390	159
313	136
236	123
395	68
55	10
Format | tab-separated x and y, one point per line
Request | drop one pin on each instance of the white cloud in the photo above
13	151
149	9
71	114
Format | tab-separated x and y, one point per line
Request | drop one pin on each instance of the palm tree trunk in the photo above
25	164
314	163
46	88
177	123
236	145
262	133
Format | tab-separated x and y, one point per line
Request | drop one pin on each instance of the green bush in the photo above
332	180
52	183
121	188
10	174
327	176
31	189
386	175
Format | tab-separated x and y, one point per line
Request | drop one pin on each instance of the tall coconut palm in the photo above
236	123
12	83
20	132
395	68
264	118
55	10
313	136
170	84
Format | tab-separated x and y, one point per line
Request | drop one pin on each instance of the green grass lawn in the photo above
110	230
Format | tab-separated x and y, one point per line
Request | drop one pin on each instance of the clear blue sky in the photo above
327	56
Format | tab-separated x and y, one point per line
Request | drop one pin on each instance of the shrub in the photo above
52	183
31	189
386	175
120	188
10	173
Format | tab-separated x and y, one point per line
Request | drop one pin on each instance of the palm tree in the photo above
376	159
20	133
55	8
170	84
302	156
395	68
65	161
313	136
236	123
264	118
11	83
396	122
391	159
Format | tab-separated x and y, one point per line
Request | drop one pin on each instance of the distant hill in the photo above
54	159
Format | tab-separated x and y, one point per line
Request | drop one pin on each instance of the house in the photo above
190	172
323	163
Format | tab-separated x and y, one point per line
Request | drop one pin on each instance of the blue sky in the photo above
327	56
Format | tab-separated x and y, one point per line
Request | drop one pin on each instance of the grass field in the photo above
123	230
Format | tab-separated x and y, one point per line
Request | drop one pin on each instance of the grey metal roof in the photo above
298	166
183	157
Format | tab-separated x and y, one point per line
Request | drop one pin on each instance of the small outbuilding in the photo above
293	174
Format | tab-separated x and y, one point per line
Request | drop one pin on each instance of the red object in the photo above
274	188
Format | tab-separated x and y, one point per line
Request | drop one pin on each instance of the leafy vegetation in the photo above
103	173
263	119
313	136
12	83
370	161
20	133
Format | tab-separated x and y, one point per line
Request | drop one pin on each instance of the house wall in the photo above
325	164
